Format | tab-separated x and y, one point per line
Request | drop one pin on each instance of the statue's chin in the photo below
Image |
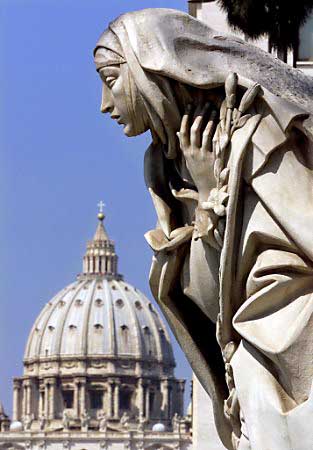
131	132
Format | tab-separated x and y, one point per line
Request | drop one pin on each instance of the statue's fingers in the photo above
195	131
208	133
184	134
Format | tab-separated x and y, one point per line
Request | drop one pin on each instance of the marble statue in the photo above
42	422
65	420
103	422
229	171
27	422
84	421
176	423
124	421
142	422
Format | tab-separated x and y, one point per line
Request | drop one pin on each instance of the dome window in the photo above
99	302
68	399
99	286
138	305
96	399
119	303
125	399
162	335
126	288
125	339
113	287
61	303
161	331
78	302
50	327
151	402
148	340
98	326
72	327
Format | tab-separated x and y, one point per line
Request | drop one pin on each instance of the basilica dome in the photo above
98	348
99	317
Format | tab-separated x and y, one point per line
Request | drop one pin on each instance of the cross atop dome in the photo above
101	215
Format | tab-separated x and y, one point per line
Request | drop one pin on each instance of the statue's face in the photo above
120	98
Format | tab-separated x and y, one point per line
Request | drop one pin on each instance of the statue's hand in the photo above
196	144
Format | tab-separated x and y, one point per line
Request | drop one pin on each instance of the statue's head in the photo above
153	62
134	91
120	95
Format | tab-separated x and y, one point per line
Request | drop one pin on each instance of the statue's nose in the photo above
107	104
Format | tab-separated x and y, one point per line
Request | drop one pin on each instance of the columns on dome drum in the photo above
51	398
24	400
27	398
41	410
141	397
180	397
16	400
110	398
82	389
147	400
116	398
143	402
46	399
79	401
76	398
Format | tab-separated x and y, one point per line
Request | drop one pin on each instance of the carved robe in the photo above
261	282
266	287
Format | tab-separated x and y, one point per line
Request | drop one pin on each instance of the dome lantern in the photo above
100	257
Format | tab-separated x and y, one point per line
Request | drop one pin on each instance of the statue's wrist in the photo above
204	191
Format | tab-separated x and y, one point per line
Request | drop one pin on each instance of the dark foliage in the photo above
279	19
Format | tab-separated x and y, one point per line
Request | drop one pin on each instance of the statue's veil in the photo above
173	44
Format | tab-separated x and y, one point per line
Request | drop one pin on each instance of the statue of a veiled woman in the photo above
229	170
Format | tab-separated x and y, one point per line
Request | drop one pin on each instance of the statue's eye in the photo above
110	81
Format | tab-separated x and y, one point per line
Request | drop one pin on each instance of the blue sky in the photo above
59	156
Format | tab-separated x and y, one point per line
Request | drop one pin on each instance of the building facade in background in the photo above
210	12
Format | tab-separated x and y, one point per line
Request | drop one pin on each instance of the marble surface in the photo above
229	171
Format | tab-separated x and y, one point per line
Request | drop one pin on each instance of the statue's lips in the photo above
118	119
